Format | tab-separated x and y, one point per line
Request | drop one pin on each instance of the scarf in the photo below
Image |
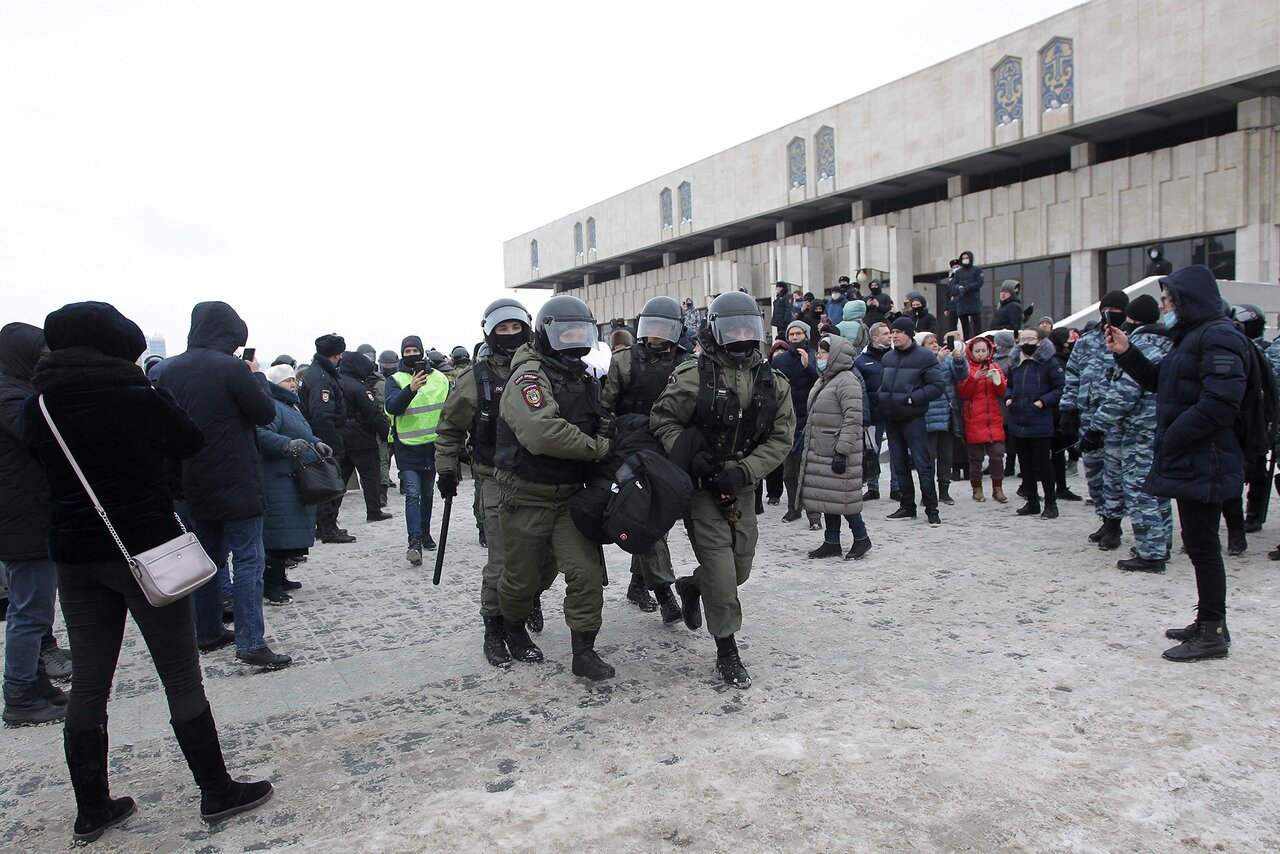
83	368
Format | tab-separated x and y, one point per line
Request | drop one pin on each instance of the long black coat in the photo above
24	492
226	401
367	423
323	403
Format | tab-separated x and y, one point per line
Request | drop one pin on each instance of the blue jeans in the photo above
243	539
224	574
873	483
832	534
32	587
419	488
909	448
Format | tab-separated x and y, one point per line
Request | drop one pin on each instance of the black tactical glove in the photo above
447	483
1091	440
839	463
1069	422
730	480
604	427
701	465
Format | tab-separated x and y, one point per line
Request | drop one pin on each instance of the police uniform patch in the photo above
324	395
370	394
529	377
533	396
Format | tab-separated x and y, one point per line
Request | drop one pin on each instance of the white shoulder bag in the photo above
165	573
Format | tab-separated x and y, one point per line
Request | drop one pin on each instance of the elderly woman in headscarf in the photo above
121	431
288	528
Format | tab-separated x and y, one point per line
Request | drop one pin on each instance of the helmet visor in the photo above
503	313
568	335
728	329
659	327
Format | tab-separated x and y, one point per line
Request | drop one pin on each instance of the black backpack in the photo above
649	494
1255	424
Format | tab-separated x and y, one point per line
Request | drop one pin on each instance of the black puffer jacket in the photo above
366	422
24	492
911	379
226	401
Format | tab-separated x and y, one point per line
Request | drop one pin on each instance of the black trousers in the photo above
366	463
1199	520
774	481
1034	463
969	325
95	598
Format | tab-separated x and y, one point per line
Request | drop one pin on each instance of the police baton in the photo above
444	539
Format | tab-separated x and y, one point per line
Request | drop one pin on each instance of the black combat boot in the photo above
333	534
518	641
273	592
1190	631
1140	564
1237	542
1110	540
858	549
96	810
944	494
1209	641
533	622
1031	508
1050	509
730	665
495	645
826	550
1096	536
640	596
667	602
690	608
220	796
586	662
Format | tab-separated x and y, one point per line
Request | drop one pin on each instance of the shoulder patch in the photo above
671	380
324	395
533	396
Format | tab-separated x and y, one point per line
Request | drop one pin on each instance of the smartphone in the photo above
421	367
248	354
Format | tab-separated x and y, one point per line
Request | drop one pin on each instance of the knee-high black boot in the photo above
220	796
96	810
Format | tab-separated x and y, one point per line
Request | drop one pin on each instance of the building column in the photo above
1084	279
1258	241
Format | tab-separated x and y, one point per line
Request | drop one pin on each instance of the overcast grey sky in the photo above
355	167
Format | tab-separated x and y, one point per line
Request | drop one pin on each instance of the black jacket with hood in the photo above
24	492
1008	315
923	320
366	423
226	401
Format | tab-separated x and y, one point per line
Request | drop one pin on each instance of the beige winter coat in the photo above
834	426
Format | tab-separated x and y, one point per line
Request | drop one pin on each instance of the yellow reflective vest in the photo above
417	426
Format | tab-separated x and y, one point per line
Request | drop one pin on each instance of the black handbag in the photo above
319	481
870	458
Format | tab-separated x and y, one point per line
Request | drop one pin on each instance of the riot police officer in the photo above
547	442
469	422
742	423
637	375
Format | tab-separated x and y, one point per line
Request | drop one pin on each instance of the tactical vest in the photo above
417	426
729	428
649	376
484	429
578	399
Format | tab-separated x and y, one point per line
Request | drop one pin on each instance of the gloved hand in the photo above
701	465
464	456
839	463
297	447
447	483
602	449
604	426
1091	440
729	480
323	450
1069	422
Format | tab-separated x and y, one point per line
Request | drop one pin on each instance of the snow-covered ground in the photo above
990	684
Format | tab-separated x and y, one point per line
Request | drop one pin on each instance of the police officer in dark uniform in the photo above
326	410
551	418
743	423
637	375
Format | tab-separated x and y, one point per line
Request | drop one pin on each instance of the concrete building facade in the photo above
1056	154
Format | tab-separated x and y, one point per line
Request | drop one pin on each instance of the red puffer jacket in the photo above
983	421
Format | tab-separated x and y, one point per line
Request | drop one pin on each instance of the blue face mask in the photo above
1170	318
822	364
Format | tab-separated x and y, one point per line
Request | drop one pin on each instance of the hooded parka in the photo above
834	426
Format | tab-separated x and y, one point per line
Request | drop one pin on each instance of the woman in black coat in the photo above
121	431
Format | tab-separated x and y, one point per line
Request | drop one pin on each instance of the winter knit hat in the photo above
277	374
1008	287
330	345
1114	299
411	341
1046	319
1144	309
905	324
1004	339
801	325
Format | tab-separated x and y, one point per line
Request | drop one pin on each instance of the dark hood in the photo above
96	325
1195	295
21	346
216	326
356	365
916	295
1159	248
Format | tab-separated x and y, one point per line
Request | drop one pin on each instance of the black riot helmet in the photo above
459	356
565	326
501	310
660	318
389	362
1249	318
735	325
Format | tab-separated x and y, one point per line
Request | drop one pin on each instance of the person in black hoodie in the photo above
29	696
920	316
366	427
1159	265
879	305
325	407
966	289
1009	314
120	430
227	398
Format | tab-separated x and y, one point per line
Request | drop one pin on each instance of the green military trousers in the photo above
531	534
654	565
724	554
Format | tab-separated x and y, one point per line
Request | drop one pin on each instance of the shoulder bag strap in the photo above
93	497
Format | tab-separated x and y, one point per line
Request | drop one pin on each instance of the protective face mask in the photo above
965	262
1154	255
656	347
1170	318
1029	349
822	364
507	342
